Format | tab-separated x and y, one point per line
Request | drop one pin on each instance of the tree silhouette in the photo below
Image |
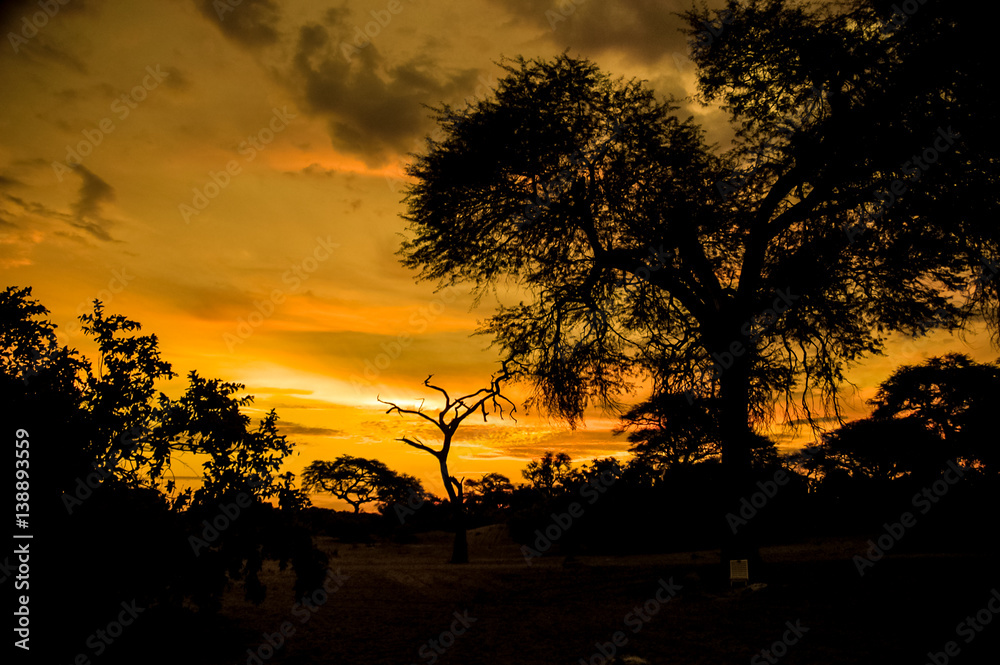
667	431
356	480
403	493
550	474
448	418
673	430
878	450
489	494
953	397
924	416
865	170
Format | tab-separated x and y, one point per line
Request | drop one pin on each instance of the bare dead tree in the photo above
447	419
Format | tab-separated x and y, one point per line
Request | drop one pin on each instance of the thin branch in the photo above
421	446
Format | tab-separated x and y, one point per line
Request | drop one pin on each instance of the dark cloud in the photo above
94	192
24	26
250	23
14	12
295	428
315	169
36	208
646	30
208	301
374	109
176	80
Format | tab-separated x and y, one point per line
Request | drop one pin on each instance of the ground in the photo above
396	598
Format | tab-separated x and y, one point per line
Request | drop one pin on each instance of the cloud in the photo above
374	109
644	30
27	34
295	428
176	80
94	192
251	23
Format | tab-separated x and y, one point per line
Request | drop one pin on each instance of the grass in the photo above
398	597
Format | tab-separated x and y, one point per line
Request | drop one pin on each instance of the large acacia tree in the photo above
858	198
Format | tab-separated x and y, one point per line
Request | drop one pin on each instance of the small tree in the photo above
668	431
549	474
489	494
447	421
355	480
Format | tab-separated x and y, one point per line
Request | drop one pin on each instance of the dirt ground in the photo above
809	599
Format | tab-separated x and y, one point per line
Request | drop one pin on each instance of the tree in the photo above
550	474
448	418
857	200
878	450
672	431
954	398
924	416
667	432
402	487
355	480
489	494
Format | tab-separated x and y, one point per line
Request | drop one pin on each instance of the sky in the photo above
230	174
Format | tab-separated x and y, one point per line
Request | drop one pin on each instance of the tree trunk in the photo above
460	548
737	467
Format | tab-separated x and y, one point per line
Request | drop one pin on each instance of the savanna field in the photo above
397	598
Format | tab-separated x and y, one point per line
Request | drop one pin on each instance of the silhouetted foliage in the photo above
669	430
549	475
925	415
952	396
103	440
874	449
488	496
358	481
403	488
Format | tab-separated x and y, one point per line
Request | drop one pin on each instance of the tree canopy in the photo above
925	415
358	481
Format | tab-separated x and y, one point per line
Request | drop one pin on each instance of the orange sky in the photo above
239	194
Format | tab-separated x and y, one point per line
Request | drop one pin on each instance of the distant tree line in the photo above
665	496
